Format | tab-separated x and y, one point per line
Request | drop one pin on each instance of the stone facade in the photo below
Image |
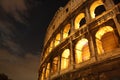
83	42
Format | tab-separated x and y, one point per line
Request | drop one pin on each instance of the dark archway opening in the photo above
116	1
99	10
118	17
82	22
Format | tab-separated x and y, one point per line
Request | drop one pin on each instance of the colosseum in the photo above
82	42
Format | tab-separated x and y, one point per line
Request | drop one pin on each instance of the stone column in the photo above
72	26
118	29
71	52
108	4
92	42
117	24
71	44
88	16
59	64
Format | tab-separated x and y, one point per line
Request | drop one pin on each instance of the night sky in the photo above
23	25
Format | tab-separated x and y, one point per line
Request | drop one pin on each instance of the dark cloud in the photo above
12	19
15	8
17	28
7	38
22	30
15	61
19	68
24	22
13	5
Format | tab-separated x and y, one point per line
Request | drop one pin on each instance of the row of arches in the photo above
58	38
96	8
106	41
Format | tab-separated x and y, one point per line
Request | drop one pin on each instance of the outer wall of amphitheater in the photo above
83	42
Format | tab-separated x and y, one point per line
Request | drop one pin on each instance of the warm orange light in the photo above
55	65
78	56
93	7
66	31
57	39
82	51
102	31
104	35
51	46
42	76
99	47
48	70
65	59
85	52
46	52
78	19
81	43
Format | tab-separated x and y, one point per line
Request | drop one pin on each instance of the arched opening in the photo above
51	46
42	75
118	18
66	31
116	1
79	20
47	70
106	40
46	52
82	52
65	60
55	65
82	22
57	39
97	8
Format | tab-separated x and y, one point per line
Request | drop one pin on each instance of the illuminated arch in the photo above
42	75
82	52
47	70
79	20
65	60
46	53
57	39
106	39
51	46
94	6
102	31
66	31
55	65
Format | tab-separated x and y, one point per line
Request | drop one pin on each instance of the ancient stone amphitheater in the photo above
83	42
